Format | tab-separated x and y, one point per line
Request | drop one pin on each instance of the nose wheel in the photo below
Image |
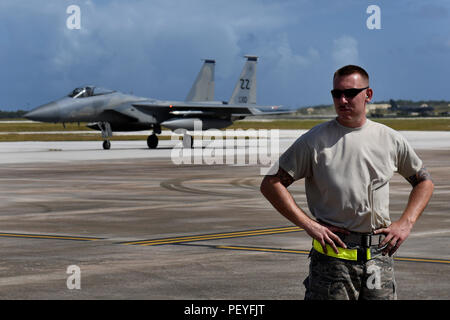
105	127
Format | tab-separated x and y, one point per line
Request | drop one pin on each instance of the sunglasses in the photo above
348	93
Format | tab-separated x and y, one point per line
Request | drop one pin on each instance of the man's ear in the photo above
369	94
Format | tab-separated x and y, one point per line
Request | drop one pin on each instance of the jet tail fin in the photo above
245	89
394	105
203	87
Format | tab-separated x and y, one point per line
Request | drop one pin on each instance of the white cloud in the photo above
278	51
345	51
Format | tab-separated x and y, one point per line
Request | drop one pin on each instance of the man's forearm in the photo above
418	199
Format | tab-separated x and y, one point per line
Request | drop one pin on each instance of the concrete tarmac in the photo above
139	226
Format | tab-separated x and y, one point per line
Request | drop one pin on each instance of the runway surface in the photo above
140	226
63	151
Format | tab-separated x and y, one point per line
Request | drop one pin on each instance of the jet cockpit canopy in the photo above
89	91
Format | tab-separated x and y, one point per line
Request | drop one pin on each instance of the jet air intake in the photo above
196	123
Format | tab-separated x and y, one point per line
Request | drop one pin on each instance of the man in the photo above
347	164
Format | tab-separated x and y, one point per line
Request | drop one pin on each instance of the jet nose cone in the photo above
46	113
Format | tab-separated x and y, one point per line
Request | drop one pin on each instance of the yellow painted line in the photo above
36	236
215	236
307	252
422	260
240	233
264	249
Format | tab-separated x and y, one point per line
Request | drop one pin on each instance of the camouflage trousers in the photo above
337	279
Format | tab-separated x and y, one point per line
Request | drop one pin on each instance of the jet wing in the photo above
189	108
178	107
270	110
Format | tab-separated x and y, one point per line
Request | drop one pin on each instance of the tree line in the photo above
12	114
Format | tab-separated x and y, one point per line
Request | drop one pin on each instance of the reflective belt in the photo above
346	254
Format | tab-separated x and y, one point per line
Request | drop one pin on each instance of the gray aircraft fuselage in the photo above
91	109
126	112
109	110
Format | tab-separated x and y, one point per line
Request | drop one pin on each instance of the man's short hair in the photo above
351	69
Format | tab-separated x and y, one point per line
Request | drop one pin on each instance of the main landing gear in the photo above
152	140
188	141
106	145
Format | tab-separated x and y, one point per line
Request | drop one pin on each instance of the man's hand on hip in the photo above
325	234
396	234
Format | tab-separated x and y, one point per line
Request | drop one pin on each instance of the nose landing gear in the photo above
105	127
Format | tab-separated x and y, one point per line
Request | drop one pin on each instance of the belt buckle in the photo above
362	254
366	240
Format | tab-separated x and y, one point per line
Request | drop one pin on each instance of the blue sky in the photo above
154	48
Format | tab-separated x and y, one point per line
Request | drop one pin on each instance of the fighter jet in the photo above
408	110
109	110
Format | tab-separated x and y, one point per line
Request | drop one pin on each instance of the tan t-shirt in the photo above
347	172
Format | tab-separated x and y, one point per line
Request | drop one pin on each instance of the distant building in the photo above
372	107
